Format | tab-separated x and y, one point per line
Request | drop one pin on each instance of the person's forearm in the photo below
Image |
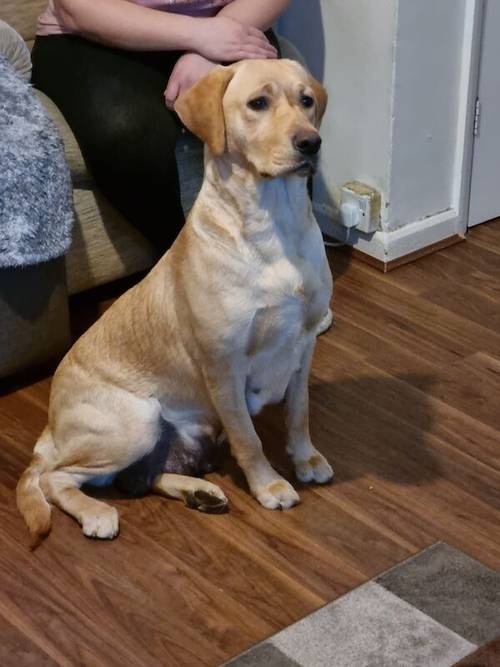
259	13
126	25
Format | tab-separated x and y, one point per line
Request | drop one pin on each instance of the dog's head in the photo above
266	111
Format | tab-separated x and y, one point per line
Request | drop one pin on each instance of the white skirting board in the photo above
388	246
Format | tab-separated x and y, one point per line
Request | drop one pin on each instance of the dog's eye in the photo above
306	101
258	103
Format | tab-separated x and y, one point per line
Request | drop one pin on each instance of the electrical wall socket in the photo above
360	207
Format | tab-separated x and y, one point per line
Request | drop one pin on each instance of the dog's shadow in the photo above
373	427
369	427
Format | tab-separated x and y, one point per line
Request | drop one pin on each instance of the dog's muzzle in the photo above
307	142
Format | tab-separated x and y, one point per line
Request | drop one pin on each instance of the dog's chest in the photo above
293	299
290	294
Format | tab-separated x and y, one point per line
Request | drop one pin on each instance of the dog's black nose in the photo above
307	143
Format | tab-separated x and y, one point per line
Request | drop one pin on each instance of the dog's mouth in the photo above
304	168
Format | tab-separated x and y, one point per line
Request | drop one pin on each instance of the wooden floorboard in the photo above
404	402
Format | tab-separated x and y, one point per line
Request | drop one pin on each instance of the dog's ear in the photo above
200	108
321	99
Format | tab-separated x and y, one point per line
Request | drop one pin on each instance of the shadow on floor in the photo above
375	427
364	426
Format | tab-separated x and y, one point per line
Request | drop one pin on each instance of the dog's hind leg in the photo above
96	436
196	493
96	518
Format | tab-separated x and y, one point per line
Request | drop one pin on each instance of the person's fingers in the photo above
252	30
256	34
270	51
261	44
261	40
255	54
263	49
230	38
172	91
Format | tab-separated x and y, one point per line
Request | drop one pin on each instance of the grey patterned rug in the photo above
429	611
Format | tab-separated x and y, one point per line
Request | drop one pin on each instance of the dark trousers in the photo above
113	101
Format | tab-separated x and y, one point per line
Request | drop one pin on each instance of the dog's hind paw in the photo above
102	524
206	502
207	497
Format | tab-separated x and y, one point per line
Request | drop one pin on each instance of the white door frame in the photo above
471	54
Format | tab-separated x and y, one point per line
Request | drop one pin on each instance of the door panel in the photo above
485	185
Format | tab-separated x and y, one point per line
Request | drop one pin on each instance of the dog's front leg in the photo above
228	396
310	465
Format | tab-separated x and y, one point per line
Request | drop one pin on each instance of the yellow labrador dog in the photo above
224	324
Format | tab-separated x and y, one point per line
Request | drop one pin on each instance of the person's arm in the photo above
129	26
126	25
258	13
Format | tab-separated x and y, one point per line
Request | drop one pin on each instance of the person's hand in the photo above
188	69
226	40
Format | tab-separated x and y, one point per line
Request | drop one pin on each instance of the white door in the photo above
485	186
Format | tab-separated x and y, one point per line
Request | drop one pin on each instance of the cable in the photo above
330	244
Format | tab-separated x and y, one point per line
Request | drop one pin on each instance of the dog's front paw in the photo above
277	495
315	469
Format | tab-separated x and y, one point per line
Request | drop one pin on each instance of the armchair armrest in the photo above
14	48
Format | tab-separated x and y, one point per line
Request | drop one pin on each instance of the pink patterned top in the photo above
49	23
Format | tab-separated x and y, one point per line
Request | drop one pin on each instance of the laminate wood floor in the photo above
405	404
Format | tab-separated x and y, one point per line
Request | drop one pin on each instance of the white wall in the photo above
400	75
349	46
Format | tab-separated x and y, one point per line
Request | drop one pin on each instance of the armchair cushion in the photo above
80	175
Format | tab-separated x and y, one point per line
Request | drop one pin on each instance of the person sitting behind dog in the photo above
115	68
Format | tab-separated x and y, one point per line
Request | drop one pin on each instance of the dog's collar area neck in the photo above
243	186
227	165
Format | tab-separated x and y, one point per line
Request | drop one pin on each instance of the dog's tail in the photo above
31	500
